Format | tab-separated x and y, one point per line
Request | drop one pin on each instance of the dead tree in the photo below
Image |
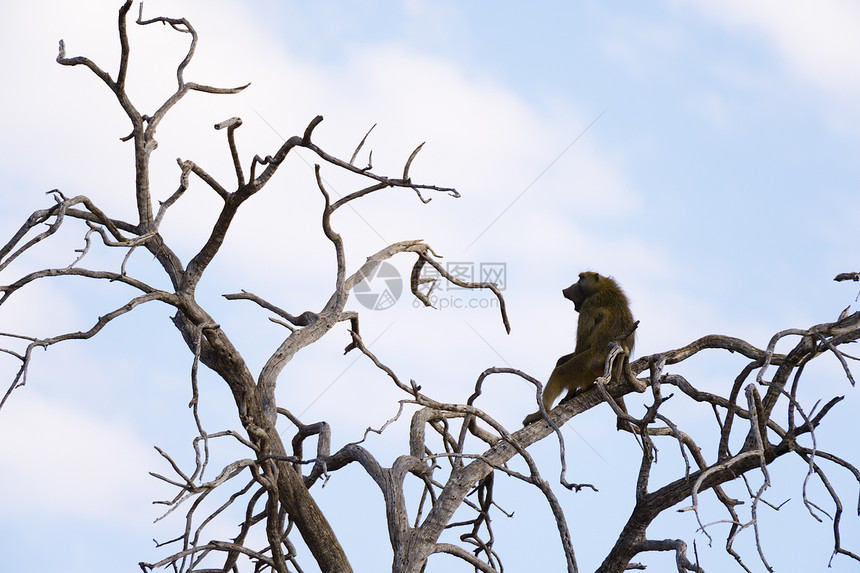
468	446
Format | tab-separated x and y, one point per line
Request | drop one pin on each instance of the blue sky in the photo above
703	153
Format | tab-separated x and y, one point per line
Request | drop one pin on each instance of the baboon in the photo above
604	317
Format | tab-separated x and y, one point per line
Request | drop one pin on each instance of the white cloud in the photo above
817	41
66	462
481	137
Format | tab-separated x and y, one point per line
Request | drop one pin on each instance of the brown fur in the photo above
604	316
